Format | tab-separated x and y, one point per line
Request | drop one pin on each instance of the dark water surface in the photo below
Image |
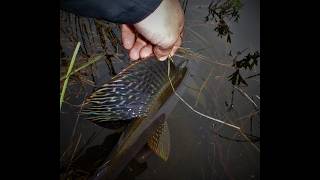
200	147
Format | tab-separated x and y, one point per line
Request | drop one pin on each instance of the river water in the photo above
200	148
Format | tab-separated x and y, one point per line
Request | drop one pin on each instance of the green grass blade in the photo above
92	60
68	73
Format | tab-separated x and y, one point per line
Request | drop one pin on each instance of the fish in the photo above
131	99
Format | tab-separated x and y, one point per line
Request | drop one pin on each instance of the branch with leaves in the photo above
248	62
222	10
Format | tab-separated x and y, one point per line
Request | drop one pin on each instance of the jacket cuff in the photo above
117	11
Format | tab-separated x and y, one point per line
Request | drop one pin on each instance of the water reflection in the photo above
85	166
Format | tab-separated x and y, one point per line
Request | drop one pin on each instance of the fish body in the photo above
134	96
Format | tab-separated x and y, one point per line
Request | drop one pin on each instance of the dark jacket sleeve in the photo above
118	11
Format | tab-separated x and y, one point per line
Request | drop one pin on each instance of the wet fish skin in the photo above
138	90
149	86
121	156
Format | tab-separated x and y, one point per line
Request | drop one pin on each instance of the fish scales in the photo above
130	94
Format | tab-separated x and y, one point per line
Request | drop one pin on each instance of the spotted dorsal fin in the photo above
159	142
128	95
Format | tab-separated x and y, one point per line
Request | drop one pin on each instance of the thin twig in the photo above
90	61
246	116
247	96
188	54
249	140
202	86
74	151
201	114
87	143
83	81
77	120
192	88
74	105
253	76
74	129
204	115
256	139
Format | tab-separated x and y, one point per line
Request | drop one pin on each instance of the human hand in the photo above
159	34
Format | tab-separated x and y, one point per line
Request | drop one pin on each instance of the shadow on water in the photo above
84	166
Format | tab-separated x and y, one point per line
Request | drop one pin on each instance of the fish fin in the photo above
127	95
159	142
